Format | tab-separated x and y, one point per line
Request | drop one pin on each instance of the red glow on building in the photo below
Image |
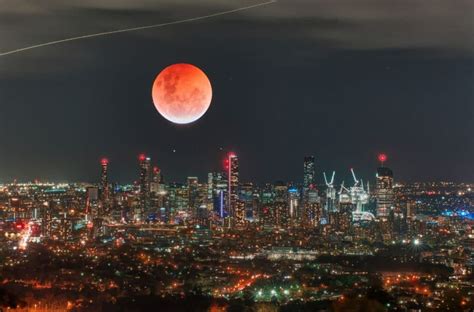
156	169
141	157
20	225
231	155
226	163
104	161
382	158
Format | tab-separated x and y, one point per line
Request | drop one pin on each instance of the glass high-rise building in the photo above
144	163
236	210
217	188
384	192
281	204
104	180
308	172
312	209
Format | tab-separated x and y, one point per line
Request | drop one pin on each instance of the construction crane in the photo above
359	198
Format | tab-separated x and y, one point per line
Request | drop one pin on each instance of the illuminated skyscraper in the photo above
265	205
330	205
384	189
248	196
155	182
294	213
156	175
236	211
144	187
194	201
312	213
308	172
281	205
104	181
92	204
104	187
217	188
178	202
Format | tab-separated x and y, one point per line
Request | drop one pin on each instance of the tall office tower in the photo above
330	204
201	212
104	180
47	218
216	193
312	213
235	210
247	196
157	189
308	172
210	191
156	175
294	213
384	189
265	205
280	205
104	189
92	207
144	163
193	195
210	205
308	178
178	202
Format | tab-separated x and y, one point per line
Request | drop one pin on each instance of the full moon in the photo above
182	93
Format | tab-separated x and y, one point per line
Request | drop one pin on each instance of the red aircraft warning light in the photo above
141	157
227	160
104	161
226	163
382	158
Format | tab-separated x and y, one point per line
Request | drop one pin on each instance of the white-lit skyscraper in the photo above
308	172
384	189
236	210
144	163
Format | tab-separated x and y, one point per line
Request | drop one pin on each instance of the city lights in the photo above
152	226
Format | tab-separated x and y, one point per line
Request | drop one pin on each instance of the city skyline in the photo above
369	171
317	174
236	155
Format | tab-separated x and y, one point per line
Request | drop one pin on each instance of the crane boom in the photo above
325	179
354	176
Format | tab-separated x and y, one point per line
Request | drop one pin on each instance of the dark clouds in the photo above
338	79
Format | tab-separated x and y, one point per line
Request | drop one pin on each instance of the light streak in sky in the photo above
193	19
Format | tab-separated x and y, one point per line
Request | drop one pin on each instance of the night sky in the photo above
341	80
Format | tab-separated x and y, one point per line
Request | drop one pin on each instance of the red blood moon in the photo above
182	93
